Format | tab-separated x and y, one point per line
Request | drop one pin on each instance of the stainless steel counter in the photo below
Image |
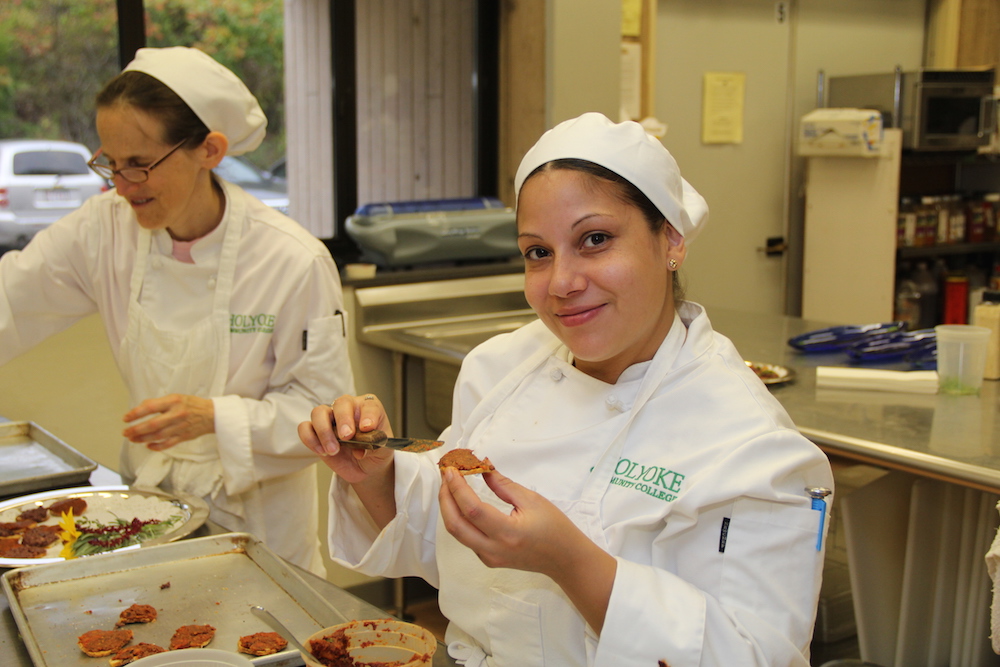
952	438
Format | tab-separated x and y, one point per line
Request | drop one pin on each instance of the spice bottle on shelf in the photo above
987	314
941	206
927	286
906	230
956	219
927	221
991	200
907	304
975	220
956	299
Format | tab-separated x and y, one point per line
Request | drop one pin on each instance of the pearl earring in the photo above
672	264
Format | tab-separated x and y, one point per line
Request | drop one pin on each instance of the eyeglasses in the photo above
130	174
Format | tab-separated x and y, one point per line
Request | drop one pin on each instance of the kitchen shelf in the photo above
920	252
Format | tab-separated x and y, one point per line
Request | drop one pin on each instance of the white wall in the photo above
582	52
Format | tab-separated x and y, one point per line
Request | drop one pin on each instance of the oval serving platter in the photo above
193	511
771	373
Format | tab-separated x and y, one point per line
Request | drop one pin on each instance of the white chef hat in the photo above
626	149
213	92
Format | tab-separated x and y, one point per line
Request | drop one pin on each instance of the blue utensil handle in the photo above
820	504
818	495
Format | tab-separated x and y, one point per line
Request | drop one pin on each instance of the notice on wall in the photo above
631	81
723	95
632	18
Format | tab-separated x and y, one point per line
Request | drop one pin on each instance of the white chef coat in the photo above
703	506
287	340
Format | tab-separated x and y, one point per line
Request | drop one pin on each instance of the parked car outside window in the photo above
279	170
240	172
41	181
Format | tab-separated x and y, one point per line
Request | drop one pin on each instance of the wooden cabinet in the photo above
962	33
849	248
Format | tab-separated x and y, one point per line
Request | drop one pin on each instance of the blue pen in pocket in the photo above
818	495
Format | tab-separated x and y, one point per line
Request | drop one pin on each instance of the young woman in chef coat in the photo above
224	316
650	500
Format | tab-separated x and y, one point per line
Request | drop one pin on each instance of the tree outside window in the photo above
55	55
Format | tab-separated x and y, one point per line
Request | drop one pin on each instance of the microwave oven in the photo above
944	110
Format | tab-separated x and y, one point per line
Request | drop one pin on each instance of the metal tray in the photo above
194	510
212	580
32	459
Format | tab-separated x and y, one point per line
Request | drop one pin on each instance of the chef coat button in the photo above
556	374
612	401
211	283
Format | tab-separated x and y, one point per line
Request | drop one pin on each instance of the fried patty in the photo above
261	643
465	462
137	613
99	643
133	653
78	505
192	636
36	514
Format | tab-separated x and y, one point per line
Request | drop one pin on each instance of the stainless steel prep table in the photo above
951	438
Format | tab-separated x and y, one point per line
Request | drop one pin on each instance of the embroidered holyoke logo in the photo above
654	481
262	323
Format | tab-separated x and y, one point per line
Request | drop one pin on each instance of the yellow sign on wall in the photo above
723	95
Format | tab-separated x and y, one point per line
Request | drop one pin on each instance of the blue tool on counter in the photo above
818	495
924	359
839	337
893	346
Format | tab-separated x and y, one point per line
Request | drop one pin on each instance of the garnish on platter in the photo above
92	537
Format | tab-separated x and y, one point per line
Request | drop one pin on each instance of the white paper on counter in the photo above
912	382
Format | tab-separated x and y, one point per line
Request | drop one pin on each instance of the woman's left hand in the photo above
176	418
535	536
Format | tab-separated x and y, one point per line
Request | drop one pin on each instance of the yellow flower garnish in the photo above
68	534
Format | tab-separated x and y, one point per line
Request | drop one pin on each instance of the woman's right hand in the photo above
344	417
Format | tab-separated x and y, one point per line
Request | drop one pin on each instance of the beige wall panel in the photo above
583	49
522	86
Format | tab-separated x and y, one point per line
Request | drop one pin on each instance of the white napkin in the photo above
913	382
992	563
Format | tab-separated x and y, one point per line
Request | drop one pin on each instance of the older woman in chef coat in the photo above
649	504
224	316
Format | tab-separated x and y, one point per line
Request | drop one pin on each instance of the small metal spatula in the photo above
378	440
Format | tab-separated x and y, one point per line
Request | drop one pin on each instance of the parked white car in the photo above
270	191
41	181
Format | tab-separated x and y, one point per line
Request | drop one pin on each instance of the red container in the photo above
956	300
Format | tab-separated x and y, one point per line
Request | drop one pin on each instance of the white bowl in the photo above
194	657
386	640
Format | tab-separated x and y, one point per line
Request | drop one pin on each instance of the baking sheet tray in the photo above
193	509
32	459
212	580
